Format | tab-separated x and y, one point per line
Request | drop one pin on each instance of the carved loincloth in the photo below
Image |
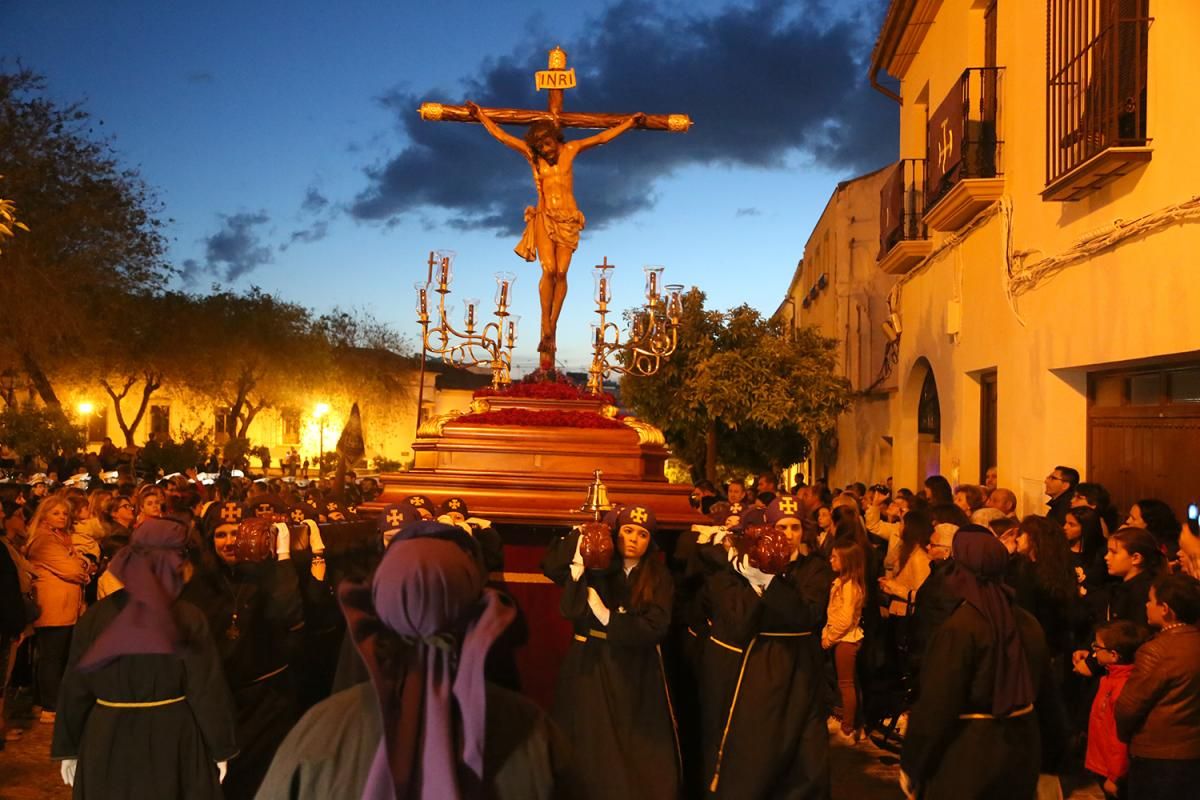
562	227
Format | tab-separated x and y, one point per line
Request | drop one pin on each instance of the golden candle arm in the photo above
438	112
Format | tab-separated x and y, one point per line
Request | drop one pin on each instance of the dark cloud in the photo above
767	84
314	201
233	251
748	212
313	233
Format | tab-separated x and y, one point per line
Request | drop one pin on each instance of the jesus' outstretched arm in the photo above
608	135
497	132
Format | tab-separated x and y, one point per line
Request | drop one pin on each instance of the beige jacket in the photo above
61	573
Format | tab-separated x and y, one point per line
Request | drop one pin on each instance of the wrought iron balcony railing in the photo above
1096	85
964	139
902	205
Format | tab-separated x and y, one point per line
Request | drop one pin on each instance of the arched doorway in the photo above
929	424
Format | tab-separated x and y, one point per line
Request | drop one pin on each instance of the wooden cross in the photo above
552	227
554	80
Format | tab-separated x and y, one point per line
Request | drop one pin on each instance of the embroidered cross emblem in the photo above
331	506
638	515
297	515
394	517
231	512
735	508
264	508
416	501
455	503
788	505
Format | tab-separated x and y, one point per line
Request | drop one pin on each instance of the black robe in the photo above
775	743
611	700
163	751
269	637
1127	599
313	668
962	759
328	754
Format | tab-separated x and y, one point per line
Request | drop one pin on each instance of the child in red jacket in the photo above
1108	756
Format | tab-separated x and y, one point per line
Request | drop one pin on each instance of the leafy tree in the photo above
32	430
153	343
94	231
174	456
8	219
261	350
741	391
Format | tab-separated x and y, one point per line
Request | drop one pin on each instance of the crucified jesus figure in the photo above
552	226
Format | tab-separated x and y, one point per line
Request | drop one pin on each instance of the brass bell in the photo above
597	498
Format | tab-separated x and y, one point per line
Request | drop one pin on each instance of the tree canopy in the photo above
86	299
741	391
95	234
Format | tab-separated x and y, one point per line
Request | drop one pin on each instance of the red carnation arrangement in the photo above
538	419
545	385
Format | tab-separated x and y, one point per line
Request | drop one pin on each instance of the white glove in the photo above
222	768
719	535
283	541
315	543
446	519
756	577
67	770
577	559
477	522
597	606
705	533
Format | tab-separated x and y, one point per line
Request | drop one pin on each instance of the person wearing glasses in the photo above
1060	488
116	518
1112	656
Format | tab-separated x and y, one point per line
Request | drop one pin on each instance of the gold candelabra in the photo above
491	343
652	336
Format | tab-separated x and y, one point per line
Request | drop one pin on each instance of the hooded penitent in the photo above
428	593
149	568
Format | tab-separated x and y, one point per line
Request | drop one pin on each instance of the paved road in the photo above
863	772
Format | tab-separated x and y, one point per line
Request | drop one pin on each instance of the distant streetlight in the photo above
319	412
86	408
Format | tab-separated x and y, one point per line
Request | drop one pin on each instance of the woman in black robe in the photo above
773	742
612	700
256	618
987	700
144	710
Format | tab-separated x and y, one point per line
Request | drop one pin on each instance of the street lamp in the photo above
85	409
319	412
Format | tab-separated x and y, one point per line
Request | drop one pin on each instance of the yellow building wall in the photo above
1138	300
843	247
389	424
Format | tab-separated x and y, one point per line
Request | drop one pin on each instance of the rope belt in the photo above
719	643
1020	712
593	633
147	704
270	674
737	690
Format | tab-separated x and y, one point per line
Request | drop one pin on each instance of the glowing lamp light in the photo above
321	410
86	408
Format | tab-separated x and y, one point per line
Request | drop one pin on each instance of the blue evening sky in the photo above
280	137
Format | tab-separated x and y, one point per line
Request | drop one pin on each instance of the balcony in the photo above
1095	94
903	236
965	172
